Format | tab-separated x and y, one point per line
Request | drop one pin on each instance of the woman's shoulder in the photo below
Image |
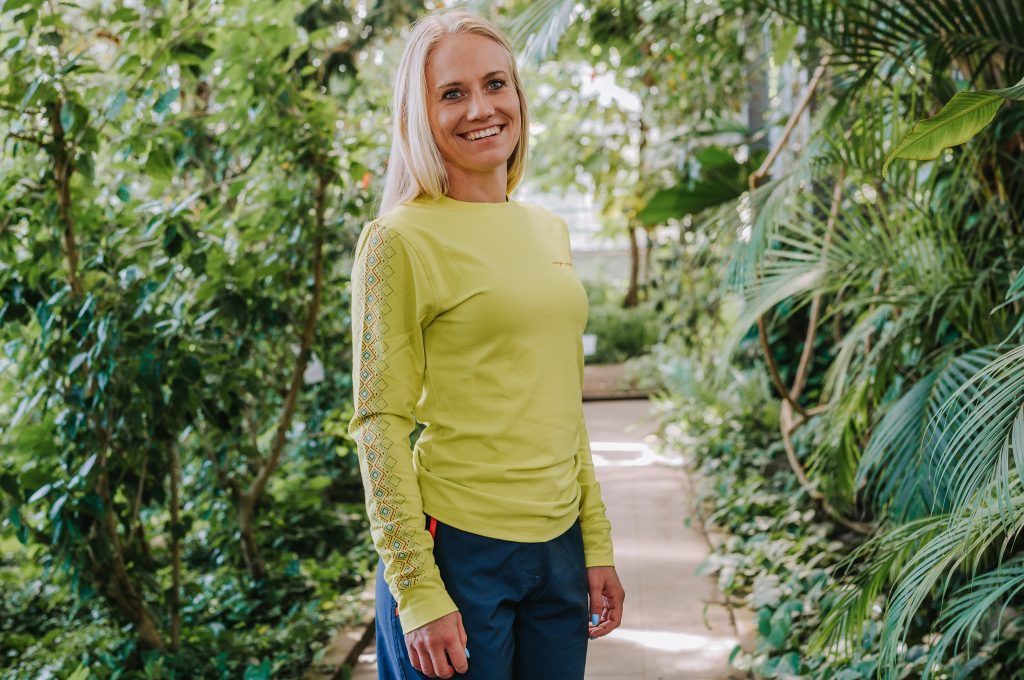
419	218
547	214
399	219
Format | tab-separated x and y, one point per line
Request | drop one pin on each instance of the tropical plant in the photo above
180	187
901	282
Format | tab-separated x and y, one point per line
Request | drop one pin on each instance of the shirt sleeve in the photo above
392	301
597	530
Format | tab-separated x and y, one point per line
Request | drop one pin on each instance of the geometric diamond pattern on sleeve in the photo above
376	441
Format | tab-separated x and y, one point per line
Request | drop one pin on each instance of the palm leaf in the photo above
880	38
967	538
538	29
975	425
971	605
866	573
1015	295
895	467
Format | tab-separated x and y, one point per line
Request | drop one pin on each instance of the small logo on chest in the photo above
561	262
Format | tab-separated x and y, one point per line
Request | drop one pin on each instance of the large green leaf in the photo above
719	179
960	119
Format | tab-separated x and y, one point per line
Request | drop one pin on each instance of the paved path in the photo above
663	634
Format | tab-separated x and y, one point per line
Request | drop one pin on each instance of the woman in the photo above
467	315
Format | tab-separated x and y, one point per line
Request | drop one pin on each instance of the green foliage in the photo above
909	290
959	120
621	332
180	187
782	557
718	178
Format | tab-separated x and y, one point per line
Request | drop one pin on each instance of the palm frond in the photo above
879	38
538	29
1014	297
867	573
894	469
968	536
971	605
975	426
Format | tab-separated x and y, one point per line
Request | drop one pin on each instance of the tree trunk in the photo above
175	595
248	499
634	267
757	83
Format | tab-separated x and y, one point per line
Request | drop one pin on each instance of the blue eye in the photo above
493	80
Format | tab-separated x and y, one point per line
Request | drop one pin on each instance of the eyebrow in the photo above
485	77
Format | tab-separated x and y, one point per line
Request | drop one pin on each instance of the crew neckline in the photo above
446	200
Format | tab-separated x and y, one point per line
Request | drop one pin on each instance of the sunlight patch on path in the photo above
642	455
667	641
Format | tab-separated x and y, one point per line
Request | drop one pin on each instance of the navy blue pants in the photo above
525	607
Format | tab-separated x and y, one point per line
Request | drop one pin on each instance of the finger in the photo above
614	613
442	668
426	664
414	659
611	615
596	599
462	631
464	639
457	654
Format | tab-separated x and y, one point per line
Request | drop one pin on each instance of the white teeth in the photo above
489	132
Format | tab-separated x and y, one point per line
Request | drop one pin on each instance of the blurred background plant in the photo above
622	332
180	188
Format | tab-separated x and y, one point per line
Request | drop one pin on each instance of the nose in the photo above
479	107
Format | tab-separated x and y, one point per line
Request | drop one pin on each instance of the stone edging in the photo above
604	381
342	652
744	621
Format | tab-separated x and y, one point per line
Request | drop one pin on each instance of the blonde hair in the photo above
415	166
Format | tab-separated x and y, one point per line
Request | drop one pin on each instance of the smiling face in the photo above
470	89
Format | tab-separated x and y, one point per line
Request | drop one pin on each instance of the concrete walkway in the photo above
663	633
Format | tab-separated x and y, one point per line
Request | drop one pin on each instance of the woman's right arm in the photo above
392	300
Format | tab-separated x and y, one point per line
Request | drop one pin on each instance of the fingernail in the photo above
467	652
594	619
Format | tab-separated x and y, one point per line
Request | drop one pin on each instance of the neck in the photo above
489	187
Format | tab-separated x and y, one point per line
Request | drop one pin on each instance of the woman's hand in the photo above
606	596
428	643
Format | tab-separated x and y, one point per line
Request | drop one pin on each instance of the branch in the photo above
803	368
754	181
773	368
38	141
137	503
113	573
755	178
175	594
15	109
312	313
62	171
787	426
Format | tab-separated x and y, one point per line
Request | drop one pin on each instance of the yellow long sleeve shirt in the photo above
468	317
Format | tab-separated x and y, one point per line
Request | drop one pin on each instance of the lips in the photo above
500	126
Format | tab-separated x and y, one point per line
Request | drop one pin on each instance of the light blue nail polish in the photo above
467	652
595	619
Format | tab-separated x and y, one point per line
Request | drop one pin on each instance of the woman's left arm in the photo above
597	530
606	592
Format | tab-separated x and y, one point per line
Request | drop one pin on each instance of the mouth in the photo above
501	130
